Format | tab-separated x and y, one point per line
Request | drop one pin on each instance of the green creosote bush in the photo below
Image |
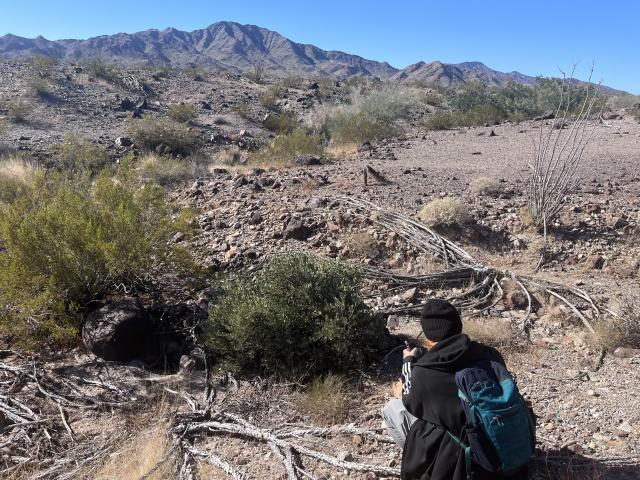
369	116
182	112
301	315
79	155
67	241
98	69
165	136
284	149
286	122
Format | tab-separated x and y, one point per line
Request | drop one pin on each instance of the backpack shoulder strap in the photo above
467	452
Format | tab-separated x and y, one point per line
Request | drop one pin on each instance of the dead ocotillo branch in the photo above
375	174
460	269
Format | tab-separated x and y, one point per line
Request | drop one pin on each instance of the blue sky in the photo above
531	37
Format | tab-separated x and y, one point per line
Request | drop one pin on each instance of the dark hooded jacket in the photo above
430	394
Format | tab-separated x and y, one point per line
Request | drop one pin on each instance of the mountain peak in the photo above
235	47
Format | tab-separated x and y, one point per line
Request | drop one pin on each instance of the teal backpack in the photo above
500	429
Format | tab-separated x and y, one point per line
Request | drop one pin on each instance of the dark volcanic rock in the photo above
118	330
297	230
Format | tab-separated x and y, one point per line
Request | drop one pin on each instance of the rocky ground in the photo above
588	424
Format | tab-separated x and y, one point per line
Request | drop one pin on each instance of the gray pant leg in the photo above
398	420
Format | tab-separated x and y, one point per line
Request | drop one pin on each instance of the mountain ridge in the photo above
230	46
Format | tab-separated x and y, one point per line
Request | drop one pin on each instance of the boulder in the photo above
118	330
308	160
297	230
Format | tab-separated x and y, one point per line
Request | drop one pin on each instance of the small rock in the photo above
297	230
410	294
393	322
344	456
124	142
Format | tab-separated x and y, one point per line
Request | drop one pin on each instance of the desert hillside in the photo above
208	274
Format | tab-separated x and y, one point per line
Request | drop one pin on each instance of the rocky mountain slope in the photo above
237	48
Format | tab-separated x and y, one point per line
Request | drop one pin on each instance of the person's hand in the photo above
410	352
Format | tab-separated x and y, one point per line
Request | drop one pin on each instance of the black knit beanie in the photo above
440	320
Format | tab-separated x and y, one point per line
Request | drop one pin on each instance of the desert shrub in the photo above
167	171
432	99
165	136
486	186
286	122
622	330
440	121
635	112
231	156
325	399
284	149
243	109
270	97
15	177
301	315
18	111
42	64
369	116
39	87
445	212
182	112
79	155
196	73
68	241
98	69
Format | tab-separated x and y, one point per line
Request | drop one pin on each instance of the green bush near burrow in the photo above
66	241
300	316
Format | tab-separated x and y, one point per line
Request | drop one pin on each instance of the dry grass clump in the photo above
15	176
362	244
622	330
230	157
138	458
488	186
325	400
445	212
182	112
338	151
170	171
491	331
